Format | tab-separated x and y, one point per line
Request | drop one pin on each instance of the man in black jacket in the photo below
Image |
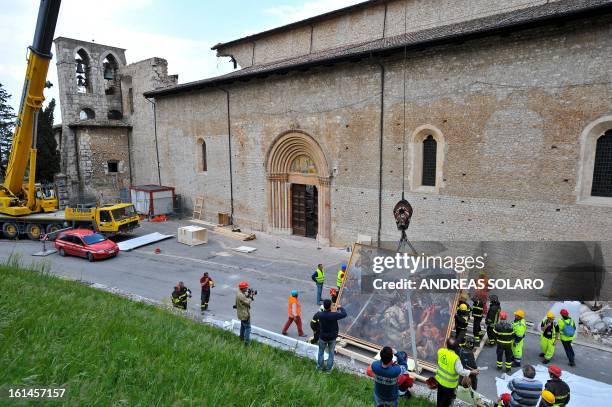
492	319
328	326
557	386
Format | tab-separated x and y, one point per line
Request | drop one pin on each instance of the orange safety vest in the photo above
298	307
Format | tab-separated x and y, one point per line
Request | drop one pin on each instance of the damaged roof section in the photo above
562	10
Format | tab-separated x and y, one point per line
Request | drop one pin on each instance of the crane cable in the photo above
404	102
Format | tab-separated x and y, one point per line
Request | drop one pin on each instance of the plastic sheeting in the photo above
584	392
131	244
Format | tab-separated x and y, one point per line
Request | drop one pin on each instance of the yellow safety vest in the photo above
340	278
561	324
519	329
320	276
445	374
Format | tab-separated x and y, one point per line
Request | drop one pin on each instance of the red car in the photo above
85	243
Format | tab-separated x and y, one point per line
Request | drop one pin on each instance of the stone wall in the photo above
365	24
511	111
101	139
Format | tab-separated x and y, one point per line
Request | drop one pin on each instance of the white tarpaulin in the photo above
583	391
139	241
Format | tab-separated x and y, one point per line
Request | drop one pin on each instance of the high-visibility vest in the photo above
562	323
320	276
446	375
340	278
519	328
298	307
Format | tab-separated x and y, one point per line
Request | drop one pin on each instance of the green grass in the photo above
107	350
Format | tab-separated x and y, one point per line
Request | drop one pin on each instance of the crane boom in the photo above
15	197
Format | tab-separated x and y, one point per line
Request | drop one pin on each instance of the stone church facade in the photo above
494	117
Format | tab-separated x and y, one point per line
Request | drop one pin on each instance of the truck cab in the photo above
119	218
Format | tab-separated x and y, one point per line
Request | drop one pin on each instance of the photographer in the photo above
244	297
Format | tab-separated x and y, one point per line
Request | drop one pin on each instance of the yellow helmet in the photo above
519	313
548	397
549	314
462	307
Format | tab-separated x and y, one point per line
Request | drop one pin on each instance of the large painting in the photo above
381	317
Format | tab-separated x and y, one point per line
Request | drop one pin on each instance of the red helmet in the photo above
564	312
505	398
554	370
503	315
243	284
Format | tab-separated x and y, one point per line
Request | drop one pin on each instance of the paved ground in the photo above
273	271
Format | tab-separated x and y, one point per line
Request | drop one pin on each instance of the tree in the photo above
7	125
48	158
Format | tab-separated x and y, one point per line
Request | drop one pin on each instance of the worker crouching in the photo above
294	311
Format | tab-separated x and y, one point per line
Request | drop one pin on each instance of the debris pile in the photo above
597	323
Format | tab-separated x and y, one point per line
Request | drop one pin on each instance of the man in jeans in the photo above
243	311
328	324
319	278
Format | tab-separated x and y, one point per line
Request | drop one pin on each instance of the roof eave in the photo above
486	32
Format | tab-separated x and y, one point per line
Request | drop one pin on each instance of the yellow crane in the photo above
28	207
17	198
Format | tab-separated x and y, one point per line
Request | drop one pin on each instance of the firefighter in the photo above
180	295
504	337
341	274
550	332
462	316
567	331
468	360
463	299
557	387
316	328
492	319
206	283
520	327
477	313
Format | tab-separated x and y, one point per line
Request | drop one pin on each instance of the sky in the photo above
180	31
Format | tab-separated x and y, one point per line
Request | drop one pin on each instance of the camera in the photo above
250	293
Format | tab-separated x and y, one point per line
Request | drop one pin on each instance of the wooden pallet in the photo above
227	231
198	208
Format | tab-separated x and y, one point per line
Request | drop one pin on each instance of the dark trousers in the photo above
181	305
460	334
490	334
315	339
445	396
245	331
504	350
205	298
569	351
477	328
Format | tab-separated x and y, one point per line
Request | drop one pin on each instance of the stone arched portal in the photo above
296	158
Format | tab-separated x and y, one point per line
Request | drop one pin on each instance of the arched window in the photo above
110	68
429	161
86	114
602	170
427	150
83	70
202	164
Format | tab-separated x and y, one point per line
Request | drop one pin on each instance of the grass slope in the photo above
106	350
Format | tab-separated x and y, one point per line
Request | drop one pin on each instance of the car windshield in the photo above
93	238
123	213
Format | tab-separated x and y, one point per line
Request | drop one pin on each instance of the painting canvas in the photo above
380	317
